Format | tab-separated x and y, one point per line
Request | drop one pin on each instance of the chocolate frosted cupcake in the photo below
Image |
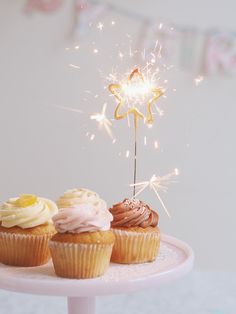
137	235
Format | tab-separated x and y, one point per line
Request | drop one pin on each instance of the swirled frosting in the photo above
133	213
27	211
75	197
82	210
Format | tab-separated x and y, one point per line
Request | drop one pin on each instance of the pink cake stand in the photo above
175	260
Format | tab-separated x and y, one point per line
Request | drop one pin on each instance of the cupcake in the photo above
25	230
83	245
137	237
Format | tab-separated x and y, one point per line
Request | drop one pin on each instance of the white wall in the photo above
44	149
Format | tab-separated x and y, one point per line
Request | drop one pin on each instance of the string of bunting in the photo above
209	52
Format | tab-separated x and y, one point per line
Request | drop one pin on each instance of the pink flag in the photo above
220	54
42	5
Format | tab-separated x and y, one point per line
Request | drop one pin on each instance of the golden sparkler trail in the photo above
103	121
101	118
157	184
69	109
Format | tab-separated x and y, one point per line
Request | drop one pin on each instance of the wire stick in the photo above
135	156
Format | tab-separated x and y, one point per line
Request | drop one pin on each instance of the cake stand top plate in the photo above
175	259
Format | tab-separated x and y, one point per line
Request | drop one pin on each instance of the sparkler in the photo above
157	184
132	94
136	96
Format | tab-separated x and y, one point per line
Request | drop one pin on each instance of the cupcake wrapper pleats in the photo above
135	247
74	260
24	250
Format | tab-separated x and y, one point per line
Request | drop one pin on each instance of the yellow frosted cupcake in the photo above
83	245
25	229
137	237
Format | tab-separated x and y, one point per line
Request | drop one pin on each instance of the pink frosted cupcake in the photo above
83	245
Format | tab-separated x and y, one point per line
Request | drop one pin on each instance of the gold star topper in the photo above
135	90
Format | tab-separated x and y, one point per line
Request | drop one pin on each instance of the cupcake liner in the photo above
79	261
135	247
23	249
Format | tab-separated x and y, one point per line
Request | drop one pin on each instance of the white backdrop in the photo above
44	149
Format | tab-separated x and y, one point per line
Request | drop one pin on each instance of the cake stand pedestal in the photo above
175	260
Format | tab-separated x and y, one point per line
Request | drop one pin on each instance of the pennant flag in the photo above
86	14
42	5
220	54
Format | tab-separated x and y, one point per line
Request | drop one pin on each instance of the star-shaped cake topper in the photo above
133	92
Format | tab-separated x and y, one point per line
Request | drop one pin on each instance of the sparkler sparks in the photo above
74	66
121	55
103	121
157	184
145	140
69	109
100	26
198	80
132	93
156	146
